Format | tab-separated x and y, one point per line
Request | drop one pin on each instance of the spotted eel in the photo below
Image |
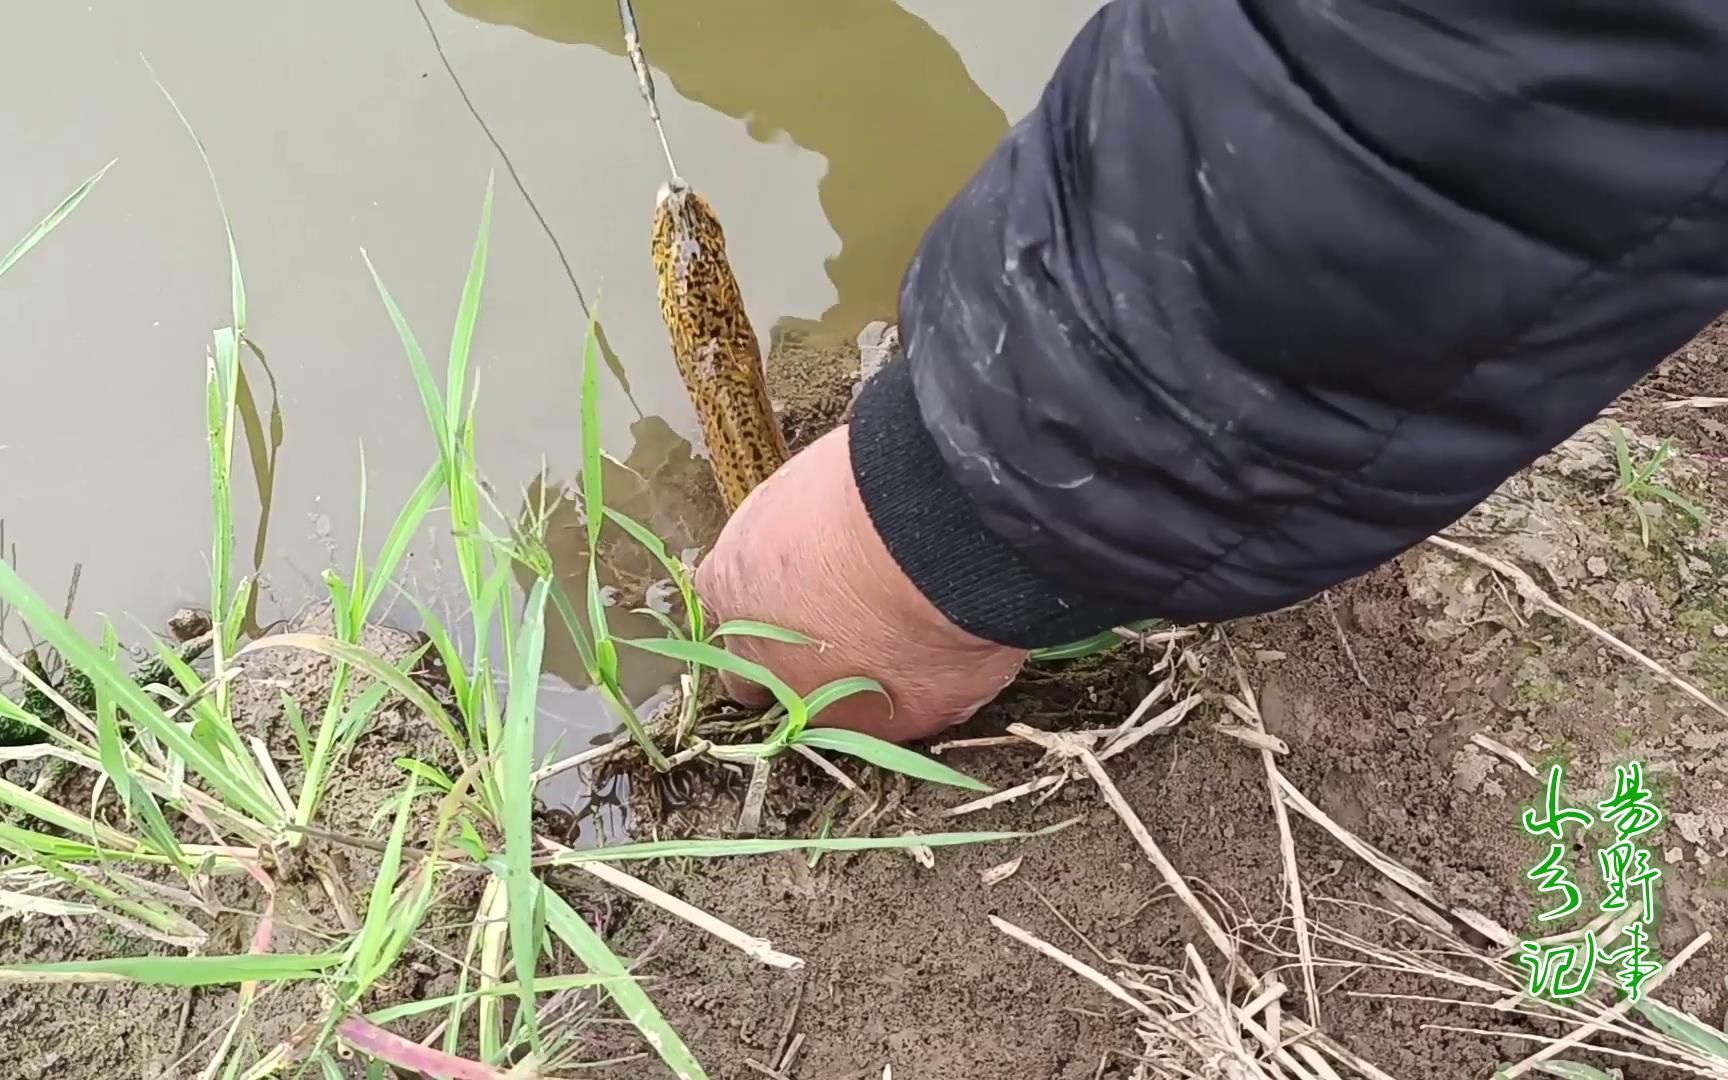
714	344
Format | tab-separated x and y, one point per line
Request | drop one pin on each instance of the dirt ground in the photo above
1389	693
903	969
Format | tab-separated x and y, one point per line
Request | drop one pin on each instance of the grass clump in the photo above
1637	483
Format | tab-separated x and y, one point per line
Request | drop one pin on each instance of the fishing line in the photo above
645	82
509	165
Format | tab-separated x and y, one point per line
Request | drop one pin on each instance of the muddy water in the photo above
827	135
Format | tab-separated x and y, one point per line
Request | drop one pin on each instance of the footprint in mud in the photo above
1293	717
1338	797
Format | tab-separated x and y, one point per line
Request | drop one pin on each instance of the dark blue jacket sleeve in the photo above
1264	292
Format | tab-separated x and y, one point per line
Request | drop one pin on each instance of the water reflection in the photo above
865	83
262	447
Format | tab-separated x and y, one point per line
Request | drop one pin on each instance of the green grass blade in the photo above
840	689
674	568
33	846
467	313
603	668
466	499
1683	1028
372	664
324	743
1622	454
887	755
432	775
417	362
630	998
605	652
185	676
1674	498
12	711
613	695
223	378
235	624
1657	460
375	929
136	798
220	378
495	703
108	742
238	301
37	847
719	849
341	605
212	728
156	827
401	535
712	656
593	496
1074	650
484	607
448	654
52	813
349	615
752	628
339	731
645	536
453	1027
46	621
52	221
823	833
37	850
673	630
1572	1070
490	716
297	725
573	626
550	985
352	724
516	783
178	970
408	915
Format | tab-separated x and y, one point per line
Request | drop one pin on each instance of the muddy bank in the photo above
1384	691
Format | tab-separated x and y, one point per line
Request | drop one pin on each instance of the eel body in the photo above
714	344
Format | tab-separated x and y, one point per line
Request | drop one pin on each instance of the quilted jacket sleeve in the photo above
1264	292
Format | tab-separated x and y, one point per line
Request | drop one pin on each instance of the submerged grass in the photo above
185	793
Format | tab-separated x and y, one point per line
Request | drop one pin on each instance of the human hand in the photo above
801	553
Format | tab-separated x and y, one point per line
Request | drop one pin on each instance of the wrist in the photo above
927	522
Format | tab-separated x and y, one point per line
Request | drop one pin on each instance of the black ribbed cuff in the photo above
927	521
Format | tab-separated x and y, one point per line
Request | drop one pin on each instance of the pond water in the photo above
827	134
